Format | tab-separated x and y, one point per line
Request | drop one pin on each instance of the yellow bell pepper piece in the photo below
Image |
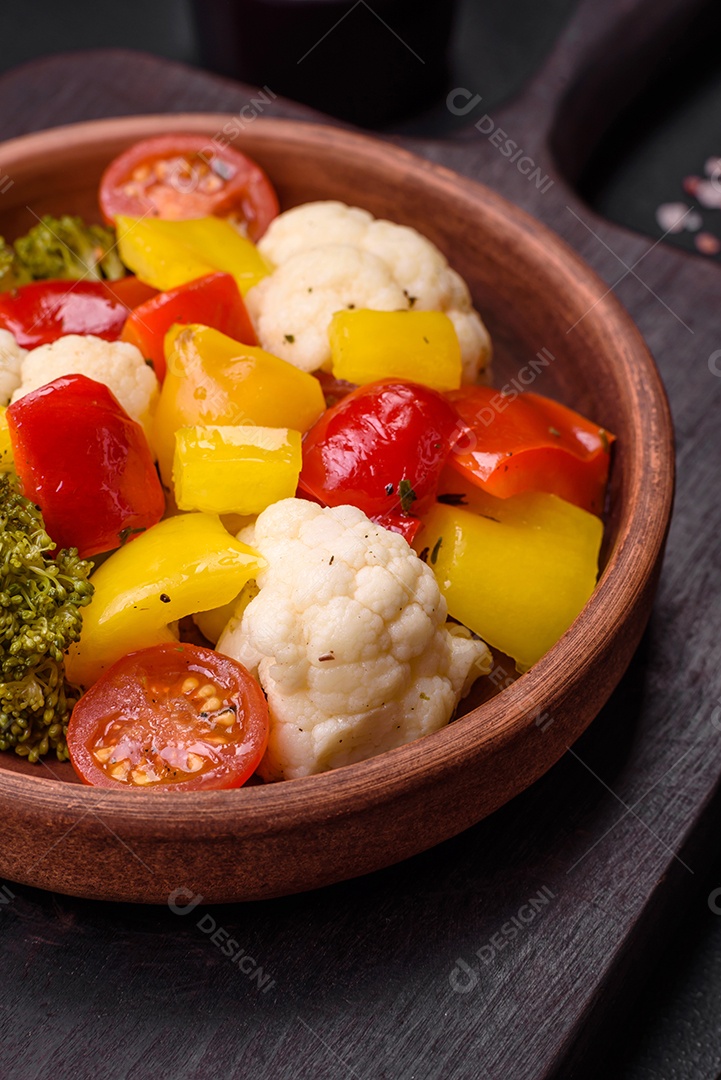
418	345
235	470
212	379
166	254
517	571
212	623
182	565
6	451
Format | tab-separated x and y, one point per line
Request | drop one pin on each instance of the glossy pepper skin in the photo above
418	345
517	571
526	442
6	449
85	463
213	300
381	448
235	470
42	311
212	380
184	564
166	254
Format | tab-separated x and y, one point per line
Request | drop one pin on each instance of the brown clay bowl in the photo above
537	298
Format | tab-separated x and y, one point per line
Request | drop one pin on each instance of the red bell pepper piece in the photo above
380	448
530	443
43	311
407	527
85	463
213	300
130	290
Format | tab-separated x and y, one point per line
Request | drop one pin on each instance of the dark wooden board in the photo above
619	833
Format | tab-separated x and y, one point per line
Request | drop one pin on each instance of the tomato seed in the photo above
103	753
212	704
194	762
206	691
189	685
225	719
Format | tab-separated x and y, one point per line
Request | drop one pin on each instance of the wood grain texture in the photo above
619	831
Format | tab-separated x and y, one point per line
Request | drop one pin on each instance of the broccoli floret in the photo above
66	247
62	247
40	601
12	272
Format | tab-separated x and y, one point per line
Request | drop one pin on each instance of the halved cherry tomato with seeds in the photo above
173	717
177	177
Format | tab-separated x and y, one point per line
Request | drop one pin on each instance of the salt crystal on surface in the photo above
708	193
672	216
708	244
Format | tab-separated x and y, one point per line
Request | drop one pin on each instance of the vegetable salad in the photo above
261	512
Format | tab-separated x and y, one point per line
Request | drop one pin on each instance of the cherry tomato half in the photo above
173	717
530	443
381	448
186	176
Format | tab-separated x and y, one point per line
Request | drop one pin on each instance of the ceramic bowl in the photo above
554	326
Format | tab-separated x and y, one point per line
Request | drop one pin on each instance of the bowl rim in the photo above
274	808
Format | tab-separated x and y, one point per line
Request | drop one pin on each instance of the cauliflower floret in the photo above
416	264
11	358
348	638
416	267
293	307
312	225
118	364
474	340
